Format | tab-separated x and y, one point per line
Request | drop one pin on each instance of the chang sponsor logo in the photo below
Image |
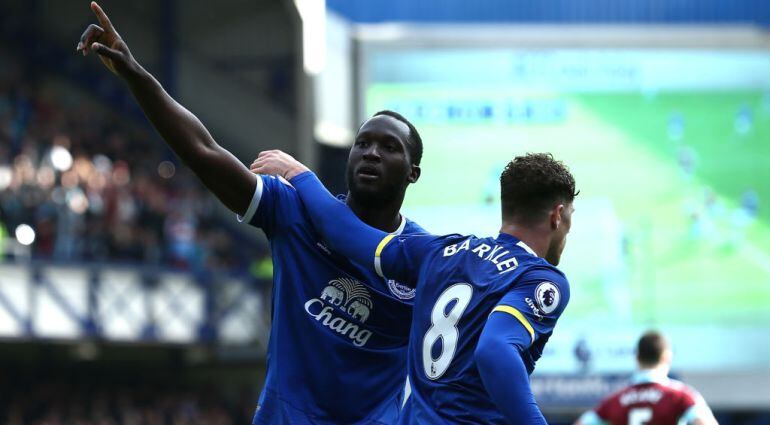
346	296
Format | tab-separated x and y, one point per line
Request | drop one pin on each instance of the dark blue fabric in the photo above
498	358
339	333
459	280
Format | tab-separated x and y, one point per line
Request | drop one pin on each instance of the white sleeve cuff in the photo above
696	411
246	218
591	418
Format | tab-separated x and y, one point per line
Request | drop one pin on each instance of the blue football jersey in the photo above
339	334
460	281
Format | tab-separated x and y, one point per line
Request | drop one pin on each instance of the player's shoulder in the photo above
277	190
538	269
546	285
273	205
613	398
276	181
411	227
442	240
685	391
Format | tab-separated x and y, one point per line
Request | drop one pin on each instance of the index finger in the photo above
102	17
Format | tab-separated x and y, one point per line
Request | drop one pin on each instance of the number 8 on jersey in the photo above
444	327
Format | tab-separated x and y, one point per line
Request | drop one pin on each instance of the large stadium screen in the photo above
671	153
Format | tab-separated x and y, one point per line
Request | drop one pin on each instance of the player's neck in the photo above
530	235
660	371
385	217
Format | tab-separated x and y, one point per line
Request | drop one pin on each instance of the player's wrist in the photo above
133	71
295	171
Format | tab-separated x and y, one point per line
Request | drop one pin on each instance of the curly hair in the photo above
531	184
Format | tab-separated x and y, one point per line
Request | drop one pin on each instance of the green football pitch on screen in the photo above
672	224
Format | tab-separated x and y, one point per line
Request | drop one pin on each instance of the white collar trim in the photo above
400	227
526	248
647	376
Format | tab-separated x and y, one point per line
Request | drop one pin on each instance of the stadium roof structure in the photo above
556	11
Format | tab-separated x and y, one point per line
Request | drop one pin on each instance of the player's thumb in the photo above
105	51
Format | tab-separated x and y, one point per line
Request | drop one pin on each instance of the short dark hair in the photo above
415	141
532	183
649	350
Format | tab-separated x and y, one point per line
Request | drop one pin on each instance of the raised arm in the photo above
218	169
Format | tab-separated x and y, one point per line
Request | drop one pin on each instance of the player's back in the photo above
648	401
460	283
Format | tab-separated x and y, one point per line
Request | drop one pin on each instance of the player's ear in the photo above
667	356
414	174
556	216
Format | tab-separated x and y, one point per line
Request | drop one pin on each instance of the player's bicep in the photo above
503	371
224	175
536	301
506	329
401	257
698	412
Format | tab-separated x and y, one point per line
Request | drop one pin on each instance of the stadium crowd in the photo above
64	404
95	187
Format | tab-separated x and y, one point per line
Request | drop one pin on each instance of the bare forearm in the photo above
180	128
219	170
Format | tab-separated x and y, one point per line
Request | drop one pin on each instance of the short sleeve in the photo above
592	418
273	205
537	300
604	410
695	407
400	257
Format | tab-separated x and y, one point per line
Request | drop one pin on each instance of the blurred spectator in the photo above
95	188
63	403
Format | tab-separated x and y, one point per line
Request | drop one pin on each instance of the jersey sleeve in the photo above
695	407
537	300
390	256
273	205
592	418
503	372
401	257
604	410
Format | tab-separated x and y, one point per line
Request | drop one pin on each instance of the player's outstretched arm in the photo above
338	225
217	168
505	377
